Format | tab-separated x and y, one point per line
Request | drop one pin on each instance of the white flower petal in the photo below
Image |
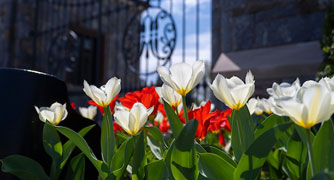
164	75
181	74
198	71
122	119
249	78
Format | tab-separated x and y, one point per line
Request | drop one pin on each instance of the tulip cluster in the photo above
184	139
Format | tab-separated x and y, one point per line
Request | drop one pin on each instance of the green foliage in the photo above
242	131
81	143
251	162
23	168
213	166
76	168
327	45
107	137
323	148
139	158
294	163
183	158
156	170
273	149
174	121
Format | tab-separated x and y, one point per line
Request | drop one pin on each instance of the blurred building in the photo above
278	40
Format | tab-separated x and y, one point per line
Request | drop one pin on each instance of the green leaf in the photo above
168	159
274	159
268	123
175	123
51	142
323	148
183	158
69	146
295	161
156	170
321	176
121	159
157	135
139	158
81	143
107	137
185	141
199	148
252	160
242	131
53	147
155	141
222	154
23	168
154	147
184	164
213	166
76	168
302	134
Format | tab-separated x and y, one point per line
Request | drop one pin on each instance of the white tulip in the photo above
233	92
132	121
105	94
312	104
182	77
254	105
284	89
54	114
169	95
88	112
328	83
267	105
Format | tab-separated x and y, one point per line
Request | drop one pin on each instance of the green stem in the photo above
241	139
185	109
107	135
310	149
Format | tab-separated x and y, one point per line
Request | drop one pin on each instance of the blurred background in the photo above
278	40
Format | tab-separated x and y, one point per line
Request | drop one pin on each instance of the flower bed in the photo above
153	134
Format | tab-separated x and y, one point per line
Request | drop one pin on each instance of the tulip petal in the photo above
164	75
98	95
87	90
252	103
48	115
122	119
112	88
198	71
221	91
181	74
242	93
234	81
296	111
249	78
317	100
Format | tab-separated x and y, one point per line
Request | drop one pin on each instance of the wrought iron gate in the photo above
93	39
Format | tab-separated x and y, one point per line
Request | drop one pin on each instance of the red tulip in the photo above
203	115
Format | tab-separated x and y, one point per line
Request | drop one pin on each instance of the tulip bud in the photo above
105	94
233	92
132	121
54	114
88	112
182	77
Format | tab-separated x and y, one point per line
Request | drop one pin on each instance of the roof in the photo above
285	61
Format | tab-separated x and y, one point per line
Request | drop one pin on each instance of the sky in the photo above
176	8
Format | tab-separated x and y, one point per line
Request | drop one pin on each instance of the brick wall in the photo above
248	24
